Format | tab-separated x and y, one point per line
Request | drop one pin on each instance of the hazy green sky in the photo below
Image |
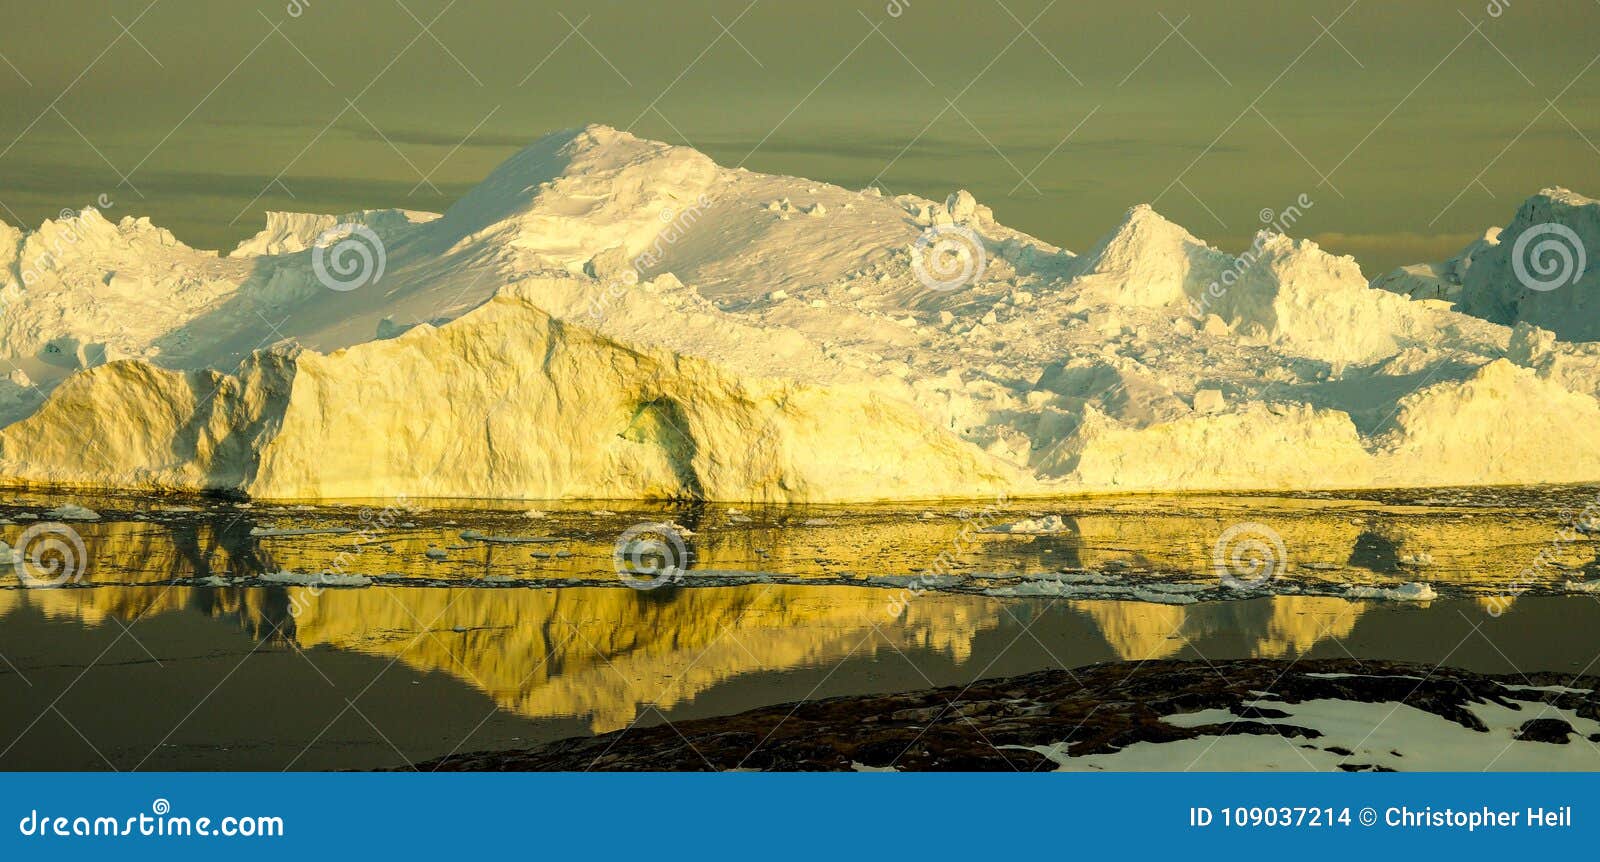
1406	127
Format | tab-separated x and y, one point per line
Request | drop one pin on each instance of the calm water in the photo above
176	650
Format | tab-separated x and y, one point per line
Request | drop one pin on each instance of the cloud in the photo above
1400	245
853	145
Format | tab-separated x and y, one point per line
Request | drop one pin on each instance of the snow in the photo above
1556	689
72	512
669	330
1505	280
324	579
862	767
1047	525
1386	734
288	233
1409	592
1440	281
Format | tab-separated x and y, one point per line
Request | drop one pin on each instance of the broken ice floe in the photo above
1043	526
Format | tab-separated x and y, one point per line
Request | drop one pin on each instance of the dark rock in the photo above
1258	712
1552	730
996	724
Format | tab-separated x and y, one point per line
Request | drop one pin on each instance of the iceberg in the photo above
609	317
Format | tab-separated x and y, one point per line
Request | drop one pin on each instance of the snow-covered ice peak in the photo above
575	193
1147	260
86	233
1540	268
1552	196
287	233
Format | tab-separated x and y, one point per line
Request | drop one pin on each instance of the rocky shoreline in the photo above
1029	722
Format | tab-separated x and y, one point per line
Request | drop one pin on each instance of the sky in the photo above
1410	127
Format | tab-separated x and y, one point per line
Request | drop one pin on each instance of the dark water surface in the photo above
176	649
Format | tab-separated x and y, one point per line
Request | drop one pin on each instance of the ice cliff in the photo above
607	316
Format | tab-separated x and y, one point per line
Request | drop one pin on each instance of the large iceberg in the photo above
612	317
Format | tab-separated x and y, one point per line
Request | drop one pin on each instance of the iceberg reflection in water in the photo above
516	629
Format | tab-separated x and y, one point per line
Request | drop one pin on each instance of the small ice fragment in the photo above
1033	527
72	512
